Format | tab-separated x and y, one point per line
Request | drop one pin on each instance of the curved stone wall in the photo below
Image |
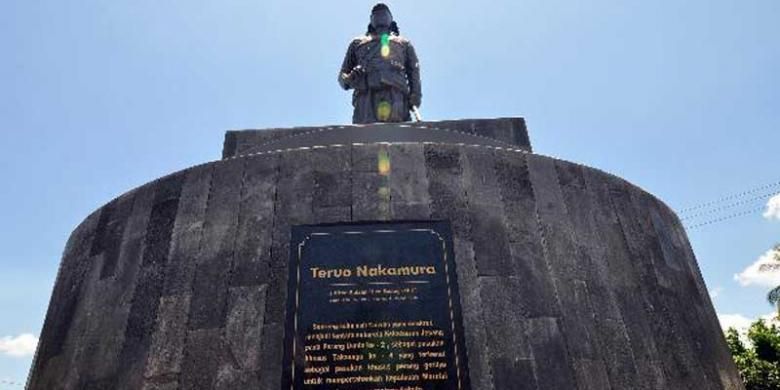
570	278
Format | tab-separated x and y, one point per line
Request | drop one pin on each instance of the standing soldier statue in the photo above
383	70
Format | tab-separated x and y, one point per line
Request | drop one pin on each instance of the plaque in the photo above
373	306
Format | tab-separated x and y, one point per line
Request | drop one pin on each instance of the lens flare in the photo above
383	192
383	162
385	40
383	110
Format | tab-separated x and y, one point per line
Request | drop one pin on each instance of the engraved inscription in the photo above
373	307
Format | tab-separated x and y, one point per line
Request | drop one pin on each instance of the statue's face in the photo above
381	19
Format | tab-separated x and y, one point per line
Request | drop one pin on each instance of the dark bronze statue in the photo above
382	69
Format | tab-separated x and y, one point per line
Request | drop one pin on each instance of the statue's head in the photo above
382	19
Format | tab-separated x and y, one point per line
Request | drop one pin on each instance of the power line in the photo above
735	204
729	197
722	219
12	383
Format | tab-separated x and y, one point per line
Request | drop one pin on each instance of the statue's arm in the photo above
413	76
345	74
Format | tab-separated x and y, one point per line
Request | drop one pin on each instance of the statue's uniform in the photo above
390	81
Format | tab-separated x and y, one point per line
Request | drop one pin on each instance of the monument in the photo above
398	255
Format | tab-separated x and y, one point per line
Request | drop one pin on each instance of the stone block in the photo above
554	369
187	231
408	183
244	328
169	337
203	356
255	222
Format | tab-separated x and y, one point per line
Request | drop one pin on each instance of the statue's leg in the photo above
363	112
400	106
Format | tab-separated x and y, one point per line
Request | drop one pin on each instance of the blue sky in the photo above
97	97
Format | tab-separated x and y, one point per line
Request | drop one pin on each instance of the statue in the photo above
382	69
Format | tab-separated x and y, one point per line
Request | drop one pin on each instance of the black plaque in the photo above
373	306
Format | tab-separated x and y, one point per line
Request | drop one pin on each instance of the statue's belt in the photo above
382	80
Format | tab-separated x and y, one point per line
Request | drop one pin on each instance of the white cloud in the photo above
773	208
742	323
21	345
736	321
753	274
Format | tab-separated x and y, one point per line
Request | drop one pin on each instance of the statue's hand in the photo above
357	71
354	75
415	100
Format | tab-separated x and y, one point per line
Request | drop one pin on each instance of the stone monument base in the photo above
568	277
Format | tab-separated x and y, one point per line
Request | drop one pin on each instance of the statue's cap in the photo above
380	7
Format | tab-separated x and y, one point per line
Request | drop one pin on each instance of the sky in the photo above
97	97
